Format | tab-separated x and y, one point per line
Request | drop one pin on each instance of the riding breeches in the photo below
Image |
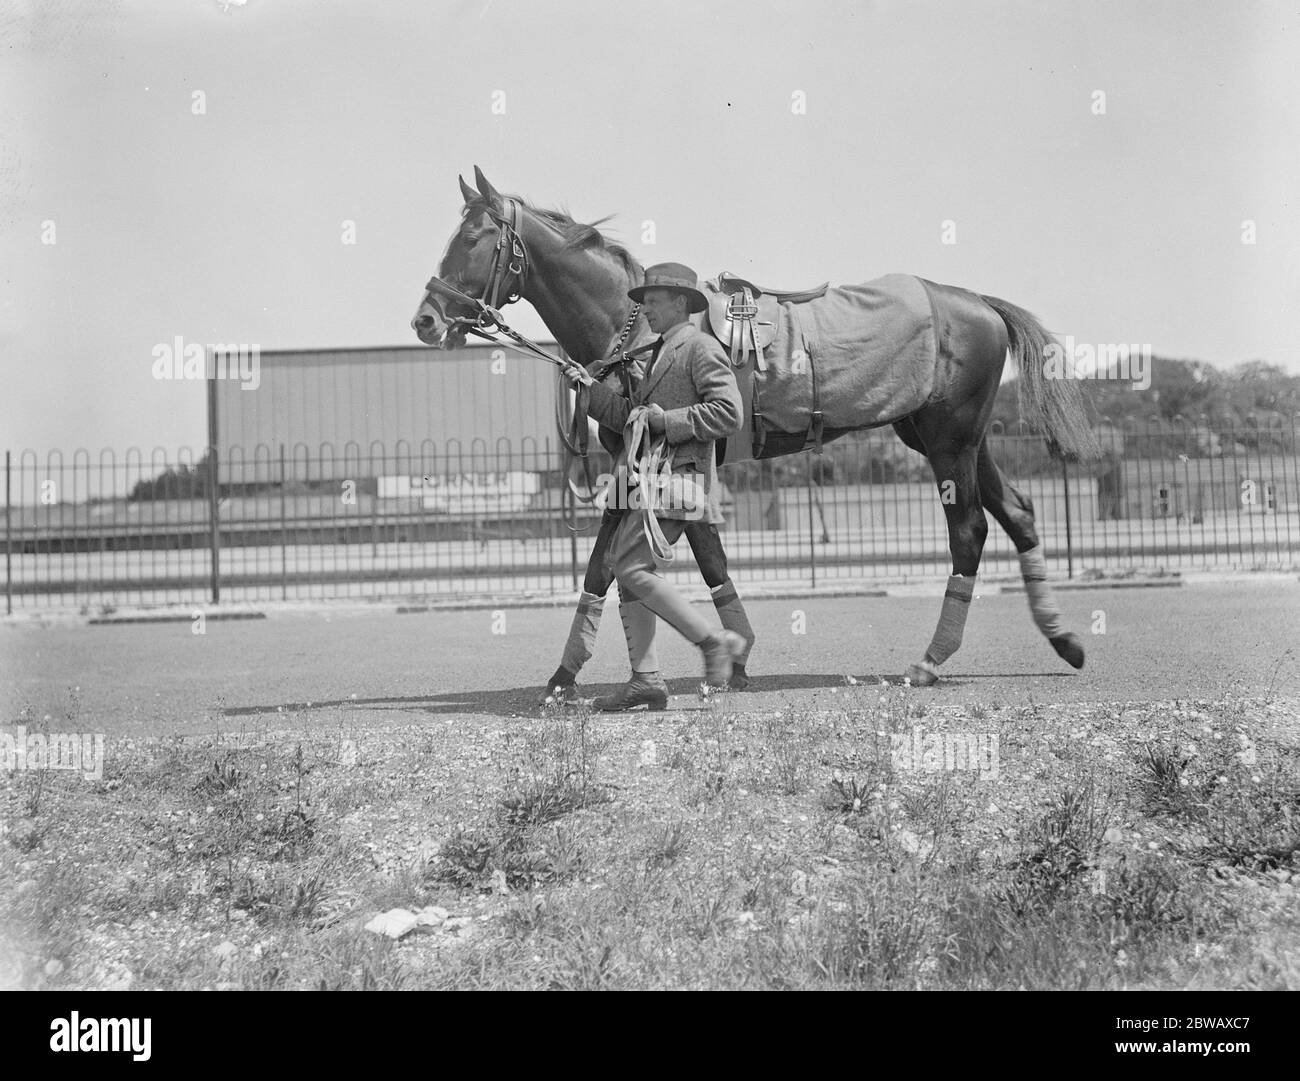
703	537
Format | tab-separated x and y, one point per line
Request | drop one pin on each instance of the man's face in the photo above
664	309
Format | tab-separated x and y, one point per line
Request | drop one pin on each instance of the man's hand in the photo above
576	374
655	420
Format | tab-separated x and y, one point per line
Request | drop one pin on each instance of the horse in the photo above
577	279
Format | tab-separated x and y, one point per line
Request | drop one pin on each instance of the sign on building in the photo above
466	493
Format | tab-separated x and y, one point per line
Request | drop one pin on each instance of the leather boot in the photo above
720	651
646	687
643	689
560	688
733	616
581	643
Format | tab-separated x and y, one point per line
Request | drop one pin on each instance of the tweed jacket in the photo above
692	382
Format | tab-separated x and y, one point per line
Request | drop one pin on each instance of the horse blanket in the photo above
863	355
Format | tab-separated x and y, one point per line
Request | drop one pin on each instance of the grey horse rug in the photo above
856	356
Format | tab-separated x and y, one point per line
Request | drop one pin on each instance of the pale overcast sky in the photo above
225	223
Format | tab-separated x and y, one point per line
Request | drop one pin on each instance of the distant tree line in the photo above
180	481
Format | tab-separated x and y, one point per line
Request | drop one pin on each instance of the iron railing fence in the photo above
495	518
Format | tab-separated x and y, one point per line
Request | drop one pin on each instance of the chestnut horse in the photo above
577	280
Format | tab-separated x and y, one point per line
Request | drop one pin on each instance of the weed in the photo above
1253	823
1163	783
464	859
849	797
671	842
789	745
547	800
221	777
1066	840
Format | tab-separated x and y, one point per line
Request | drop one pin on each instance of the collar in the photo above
677	331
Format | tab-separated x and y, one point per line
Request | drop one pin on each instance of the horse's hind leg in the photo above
955	471
1015	514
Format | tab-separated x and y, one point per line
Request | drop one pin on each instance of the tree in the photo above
178	481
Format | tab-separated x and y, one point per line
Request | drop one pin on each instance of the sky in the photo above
188	168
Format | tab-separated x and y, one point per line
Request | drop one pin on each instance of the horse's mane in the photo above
576	234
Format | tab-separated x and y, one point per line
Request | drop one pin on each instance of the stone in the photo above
394	923
913	845
226	952
431	916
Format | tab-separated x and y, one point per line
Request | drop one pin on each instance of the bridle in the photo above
509	258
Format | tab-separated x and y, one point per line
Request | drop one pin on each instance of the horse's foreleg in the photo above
581	642
1015	513
956	476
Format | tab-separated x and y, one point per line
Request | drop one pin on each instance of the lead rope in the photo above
649	476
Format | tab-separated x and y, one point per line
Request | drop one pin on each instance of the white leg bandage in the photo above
952	619
1033	569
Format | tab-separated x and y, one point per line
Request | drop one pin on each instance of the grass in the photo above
778	849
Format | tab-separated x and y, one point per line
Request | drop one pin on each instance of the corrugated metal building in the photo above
365	413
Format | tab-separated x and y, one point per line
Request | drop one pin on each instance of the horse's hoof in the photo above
923	674
1068	648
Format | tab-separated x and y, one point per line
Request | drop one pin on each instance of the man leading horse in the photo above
623	375
686	400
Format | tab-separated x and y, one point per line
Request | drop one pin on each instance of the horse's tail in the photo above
1054	405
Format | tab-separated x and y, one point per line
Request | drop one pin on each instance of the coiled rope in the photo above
649	475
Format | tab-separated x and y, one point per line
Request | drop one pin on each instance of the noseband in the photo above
509	259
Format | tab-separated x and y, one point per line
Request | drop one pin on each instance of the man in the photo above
691	400
710	557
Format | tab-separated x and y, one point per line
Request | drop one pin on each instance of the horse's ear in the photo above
466	191
487	190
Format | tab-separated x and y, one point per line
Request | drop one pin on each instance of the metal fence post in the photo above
9	576
214	528
284	536
812	539
1069	538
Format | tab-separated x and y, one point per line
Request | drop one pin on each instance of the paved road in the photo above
1199	641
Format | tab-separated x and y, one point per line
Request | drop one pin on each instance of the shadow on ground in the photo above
523	700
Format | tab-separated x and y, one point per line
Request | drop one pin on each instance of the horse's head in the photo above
485	260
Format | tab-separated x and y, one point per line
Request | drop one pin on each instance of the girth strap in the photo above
742	310
816	422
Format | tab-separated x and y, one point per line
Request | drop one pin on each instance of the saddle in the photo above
746	317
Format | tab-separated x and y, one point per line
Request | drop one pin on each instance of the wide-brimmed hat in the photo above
674	276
